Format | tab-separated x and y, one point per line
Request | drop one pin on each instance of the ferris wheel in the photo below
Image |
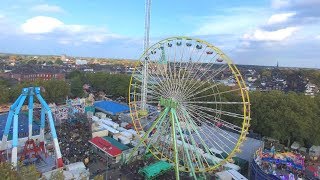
197	110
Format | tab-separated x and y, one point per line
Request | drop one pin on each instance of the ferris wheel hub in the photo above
168	102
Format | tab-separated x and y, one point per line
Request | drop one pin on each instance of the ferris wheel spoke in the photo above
207	68
214	102
187	67
215	127
219	139
186	155
198	135
195	77
204	86
227	134
226	113
191	91
174	77
193	67
189	144
216	94
197	149
150	90
190	55
158	132
139	78
211	118
165	140
160	83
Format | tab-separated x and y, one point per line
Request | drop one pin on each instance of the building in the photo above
33	73
81	62
105	149
110	107
311	89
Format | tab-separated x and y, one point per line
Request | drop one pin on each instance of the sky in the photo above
261	32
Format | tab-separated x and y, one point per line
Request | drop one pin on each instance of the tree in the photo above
77	87
266	73
98	177
285	116
29	172
56	90
57	175
32	62
49	63
59	61
74	74
4	94
7	171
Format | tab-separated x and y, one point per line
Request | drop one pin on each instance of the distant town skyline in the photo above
250	32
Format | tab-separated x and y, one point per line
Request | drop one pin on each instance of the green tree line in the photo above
287	117
52	90
112	84
57	90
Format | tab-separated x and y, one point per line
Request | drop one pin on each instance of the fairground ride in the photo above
31	147
197	111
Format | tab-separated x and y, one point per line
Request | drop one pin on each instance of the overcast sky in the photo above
258	32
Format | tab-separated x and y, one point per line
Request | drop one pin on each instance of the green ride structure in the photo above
197	111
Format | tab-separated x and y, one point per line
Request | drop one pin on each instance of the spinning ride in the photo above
197	111
31	149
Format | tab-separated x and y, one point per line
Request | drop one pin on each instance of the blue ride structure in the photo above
12	120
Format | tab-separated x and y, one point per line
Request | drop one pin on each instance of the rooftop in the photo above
105	146
111	107
155	169
116	143
22	125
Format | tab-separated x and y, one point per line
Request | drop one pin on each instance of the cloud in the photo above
318	37
281	4
277	4
230	21
41	24
278	35
280	18
44	27
47	8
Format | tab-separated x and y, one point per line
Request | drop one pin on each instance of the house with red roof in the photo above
102	146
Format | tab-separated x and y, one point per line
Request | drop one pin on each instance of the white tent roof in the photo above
295	145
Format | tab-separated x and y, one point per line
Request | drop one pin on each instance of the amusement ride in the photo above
34	147
190	104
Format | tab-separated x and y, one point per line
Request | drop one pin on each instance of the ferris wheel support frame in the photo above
169	110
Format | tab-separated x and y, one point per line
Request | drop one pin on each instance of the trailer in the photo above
126	134
121	129
110	129
101	115
109	122
123	139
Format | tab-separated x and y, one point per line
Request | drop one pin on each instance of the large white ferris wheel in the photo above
196	112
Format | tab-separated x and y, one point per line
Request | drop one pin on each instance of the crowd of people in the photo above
74	141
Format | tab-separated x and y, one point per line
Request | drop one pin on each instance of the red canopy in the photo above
105	146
